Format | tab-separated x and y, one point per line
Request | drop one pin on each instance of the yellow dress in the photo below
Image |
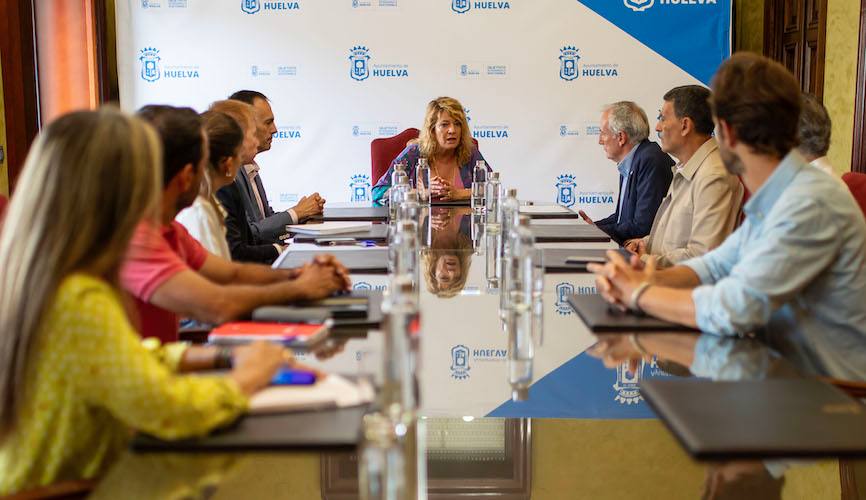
91	381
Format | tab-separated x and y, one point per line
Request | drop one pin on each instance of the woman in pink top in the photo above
446	143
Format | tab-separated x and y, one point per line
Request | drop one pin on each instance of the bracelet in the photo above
635	296
224	359
637	345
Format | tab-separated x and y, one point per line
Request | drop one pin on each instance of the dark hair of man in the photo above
224	135
760	100
247	96
180	132
692	101
814	127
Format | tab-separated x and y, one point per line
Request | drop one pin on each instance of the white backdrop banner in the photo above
532	75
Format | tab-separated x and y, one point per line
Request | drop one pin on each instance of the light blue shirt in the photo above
794	273
624	168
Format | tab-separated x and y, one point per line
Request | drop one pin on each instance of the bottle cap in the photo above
512	192
402	179
494	175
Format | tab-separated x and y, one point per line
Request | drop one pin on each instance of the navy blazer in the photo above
266	227
647	186
243	244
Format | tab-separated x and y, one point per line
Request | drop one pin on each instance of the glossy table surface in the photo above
584	432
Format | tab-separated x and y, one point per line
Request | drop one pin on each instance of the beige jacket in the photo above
699	211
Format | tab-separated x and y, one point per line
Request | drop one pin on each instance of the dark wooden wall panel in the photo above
20	87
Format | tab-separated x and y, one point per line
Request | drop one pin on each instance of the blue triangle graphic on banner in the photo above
693	34
582	388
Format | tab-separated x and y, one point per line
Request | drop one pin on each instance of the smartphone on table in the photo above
287	376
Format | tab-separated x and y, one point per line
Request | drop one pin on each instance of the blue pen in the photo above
367	243
293	377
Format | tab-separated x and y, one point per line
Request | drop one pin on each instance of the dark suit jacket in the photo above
243	244
647	186
266	227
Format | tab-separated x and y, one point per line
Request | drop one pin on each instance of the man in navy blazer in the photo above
644	171
266	225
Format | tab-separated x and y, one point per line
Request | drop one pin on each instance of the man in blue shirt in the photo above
794	273
644	171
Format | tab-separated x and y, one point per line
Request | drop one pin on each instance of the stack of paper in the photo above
329	392
330	227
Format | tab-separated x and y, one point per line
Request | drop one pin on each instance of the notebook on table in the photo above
326	228
331	428
580	233
352	214
296	334
600	317
773	418
366	260
373	232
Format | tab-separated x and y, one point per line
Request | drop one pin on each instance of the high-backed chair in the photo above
384	150
857	184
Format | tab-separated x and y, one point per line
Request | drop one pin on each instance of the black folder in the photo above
341	309
600	317
352	214
376	232
332	428
367	260
773	418
581	233
555	259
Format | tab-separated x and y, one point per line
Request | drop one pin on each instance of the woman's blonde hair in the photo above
430	258
427	142
89	179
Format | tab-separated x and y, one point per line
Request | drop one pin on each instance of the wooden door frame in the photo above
773	39
20	82
858	158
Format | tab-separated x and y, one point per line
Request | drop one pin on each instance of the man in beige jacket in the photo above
703	203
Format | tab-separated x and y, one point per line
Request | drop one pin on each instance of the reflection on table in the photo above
583	432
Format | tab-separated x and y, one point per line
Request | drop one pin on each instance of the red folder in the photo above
288	334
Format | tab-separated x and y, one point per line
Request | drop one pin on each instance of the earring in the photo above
228	173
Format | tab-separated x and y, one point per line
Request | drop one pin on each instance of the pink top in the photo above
458	181
154	256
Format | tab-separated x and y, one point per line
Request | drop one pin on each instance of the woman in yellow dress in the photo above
75	378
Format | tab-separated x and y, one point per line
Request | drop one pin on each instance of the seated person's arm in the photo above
225	272
135	387
714	197
189	294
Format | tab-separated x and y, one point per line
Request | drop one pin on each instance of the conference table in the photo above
583	432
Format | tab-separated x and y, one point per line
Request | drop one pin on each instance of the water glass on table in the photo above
422	181
478	193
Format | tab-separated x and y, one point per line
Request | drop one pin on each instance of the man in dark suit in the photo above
266	225
644	171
